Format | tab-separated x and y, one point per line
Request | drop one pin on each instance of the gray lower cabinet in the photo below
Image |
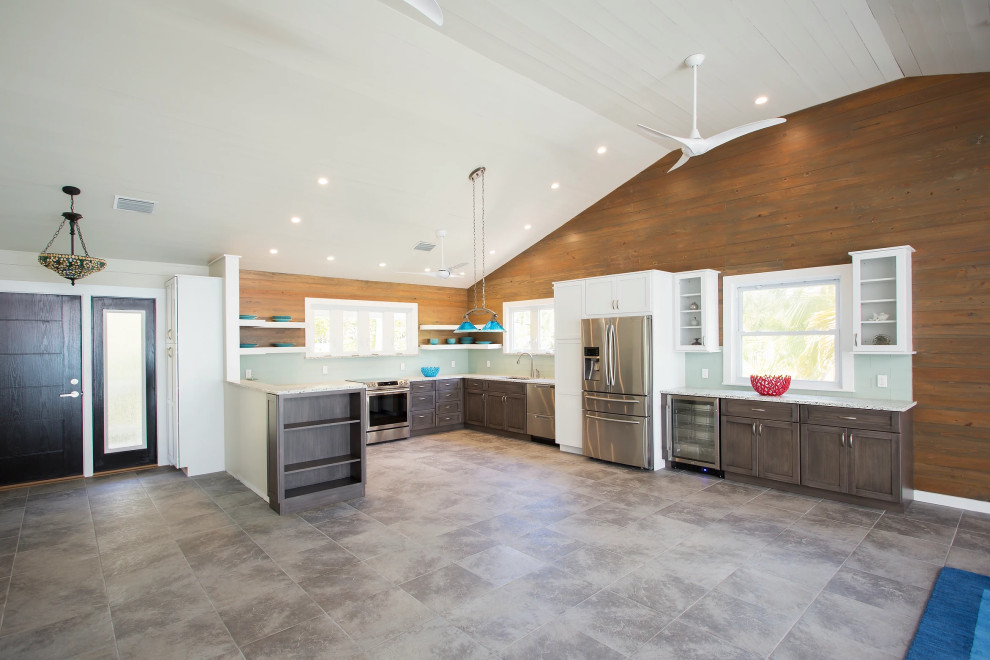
316	448
761	440
435	405
495	405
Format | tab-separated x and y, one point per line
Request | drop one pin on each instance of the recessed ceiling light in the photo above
329	258
527	226
426	270
491	252
554	185
382	264
461	273
602	149
273	251
760	100
295	219
323	181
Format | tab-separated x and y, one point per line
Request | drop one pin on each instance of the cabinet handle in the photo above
855	339
754	428
758	409
761	428
843	440
170	333
170	351
850	440
844	417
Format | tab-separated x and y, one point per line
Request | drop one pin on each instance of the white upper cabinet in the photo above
568	305
882	300
696	310
628	294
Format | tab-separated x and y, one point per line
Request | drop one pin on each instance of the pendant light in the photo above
71	266
492	325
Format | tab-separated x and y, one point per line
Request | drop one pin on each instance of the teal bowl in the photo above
434	341
451	340
429	372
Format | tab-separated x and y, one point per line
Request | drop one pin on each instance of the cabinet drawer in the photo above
421	386
422	420
474	384
449	384
504	387
423	401
449	407
856	418
449	396
787	412
450	418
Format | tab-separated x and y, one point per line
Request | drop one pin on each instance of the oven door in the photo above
387	409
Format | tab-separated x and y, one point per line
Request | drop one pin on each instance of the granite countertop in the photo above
301	388
806	399
514	379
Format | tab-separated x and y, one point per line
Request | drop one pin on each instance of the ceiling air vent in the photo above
130	204
424	246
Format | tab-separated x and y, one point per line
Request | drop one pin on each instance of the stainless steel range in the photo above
388	409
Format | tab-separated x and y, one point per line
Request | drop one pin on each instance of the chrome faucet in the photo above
533	371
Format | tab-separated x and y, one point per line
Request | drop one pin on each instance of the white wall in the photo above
20	272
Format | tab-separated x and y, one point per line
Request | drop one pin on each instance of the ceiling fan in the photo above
697	145
443	272
428	8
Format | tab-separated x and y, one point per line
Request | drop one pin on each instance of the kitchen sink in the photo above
517	377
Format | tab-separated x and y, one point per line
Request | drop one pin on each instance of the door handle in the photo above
605	398
844	417
855	339
758	409
850	440
609	419
843	439
754	428
72	395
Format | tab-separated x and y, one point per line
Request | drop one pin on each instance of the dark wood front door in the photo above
40	418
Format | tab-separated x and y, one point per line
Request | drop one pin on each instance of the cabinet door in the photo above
171	311
515	413
874	466
598	297
779	450
568	420
495	411
823	457
424	419
474	407
567	363
738	445
568	308
632	293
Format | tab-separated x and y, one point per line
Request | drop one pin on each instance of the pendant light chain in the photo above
64	220
483	303
474	245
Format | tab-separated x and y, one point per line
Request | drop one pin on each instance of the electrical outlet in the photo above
881	380
453	363
402	366
247	374
704	373
326	370
488	363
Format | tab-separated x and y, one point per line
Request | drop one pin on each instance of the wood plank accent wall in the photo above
906	163
264	293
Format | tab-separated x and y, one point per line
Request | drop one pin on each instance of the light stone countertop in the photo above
806	399
513	379
302	388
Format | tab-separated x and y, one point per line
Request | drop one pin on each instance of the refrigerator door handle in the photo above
610	419
608	398
614	354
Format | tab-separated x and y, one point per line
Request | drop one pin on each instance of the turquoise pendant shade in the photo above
492	326
466	326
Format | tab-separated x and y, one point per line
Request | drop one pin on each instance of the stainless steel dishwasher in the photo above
540	410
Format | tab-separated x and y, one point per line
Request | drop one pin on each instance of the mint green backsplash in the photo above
897	368
291	368
505	365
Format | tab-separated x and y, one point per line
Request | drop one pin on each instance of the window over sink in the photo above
356	328
529	326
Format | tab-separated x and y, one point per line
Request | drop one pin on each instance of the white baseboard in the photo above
952	500
257	492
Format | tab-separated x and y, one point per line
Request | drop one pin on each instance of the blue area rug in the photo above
956	622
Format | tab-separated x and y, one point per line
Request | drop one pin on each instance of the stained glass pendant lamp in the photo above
492	325
71	266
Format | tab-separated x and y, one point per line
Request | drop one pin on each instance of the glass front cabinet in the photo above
696	310
692	425
882	300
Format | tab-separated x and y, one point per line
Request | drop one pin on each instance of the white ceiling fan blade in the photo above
739	131
460	265
408	272
680	161
428	8
685	142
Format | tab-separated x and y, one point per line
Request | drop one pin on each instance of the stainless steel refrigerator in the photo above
618	389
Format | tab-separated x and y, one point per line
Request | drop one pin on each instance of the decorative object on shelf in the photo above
484	341
71	266
467	340
247	317
282	344
451	340
697	342
249	345
877	317
770	385
694	321
434	341
492	325
881	340
281	319
429	372
693	306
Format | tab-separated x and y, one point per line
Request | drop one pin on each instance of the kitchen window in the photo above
528	326
355	328
794	322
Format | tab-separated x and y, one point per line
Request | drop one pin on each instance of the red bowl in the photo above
770	385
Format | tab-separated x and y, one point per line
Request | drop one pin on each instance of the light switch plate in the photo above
453	364
881	380
488	363
326	370
402	366
704	373
247	374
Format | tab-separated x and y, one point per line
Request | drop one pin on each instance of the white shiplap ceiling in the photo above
226	112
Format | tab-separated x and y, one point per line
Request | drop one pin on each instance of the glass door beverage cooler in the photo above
692	423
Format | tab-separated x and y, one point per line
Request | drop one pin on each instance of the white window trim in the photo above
363	307
730	314
522	305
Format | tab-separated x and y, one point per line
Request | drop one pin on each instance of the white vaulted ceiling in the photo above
227	112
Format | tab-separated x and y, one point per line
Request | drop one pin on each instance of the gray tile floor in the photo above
468	546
